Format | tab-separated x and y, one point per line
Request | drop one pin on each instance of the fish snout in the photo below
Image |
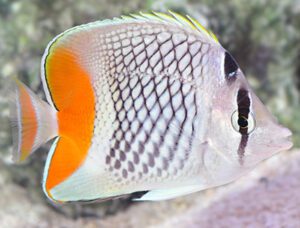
283	138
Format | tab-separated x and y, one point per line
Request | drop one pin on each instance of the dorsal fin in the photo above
172	18
186	22
69	88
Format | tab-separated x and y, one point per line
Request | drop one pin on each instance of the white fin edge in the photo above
45	174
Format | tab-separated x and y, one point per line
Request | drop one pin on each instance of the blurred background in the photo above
264	37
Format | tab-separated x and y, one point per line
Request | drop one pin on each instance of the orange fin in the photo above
63	160
69	88
33	122
64	182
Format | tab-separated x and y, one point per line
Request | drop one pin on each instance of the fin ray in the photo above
33	122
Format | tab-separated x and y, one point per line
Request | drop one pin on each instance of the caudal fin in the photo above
33	122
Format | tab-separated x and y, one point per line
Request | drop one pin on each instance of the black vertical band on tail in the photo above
243	102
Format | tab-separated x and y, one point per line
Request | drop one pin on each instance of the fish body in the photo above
149	103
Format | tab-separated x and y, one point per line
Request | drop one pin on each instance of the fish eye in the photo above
243	124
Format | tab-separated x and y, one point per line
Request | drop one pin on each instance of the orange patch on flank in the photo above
72	92
28	122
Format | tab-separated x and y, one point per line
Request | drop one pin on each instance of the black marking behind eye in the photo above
230	67
243	102
241	149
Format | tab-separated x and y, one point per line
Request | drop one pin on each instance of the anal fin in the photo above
63	160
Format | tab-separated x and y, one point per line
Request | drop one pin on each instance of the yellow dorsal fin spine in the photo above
183	20
137	16
171	17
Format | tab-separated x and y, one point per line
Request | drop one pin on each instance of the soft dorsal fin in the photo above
69	89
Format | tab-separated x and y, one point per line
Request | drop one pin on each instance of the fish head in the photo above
242	130
266	136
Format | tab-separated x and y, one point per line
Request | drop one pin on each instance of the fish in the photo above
149	105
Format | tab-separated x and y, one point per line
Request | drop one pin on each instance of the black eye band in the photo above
243	102
230	67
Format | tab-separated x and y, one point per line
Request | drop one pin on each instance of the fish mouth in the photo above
285	141
288	143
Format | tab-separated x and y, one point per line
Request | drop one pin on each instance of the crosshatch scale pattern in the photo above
150	113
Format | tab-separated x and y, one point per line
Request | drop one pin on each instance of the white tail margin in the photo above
33	122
